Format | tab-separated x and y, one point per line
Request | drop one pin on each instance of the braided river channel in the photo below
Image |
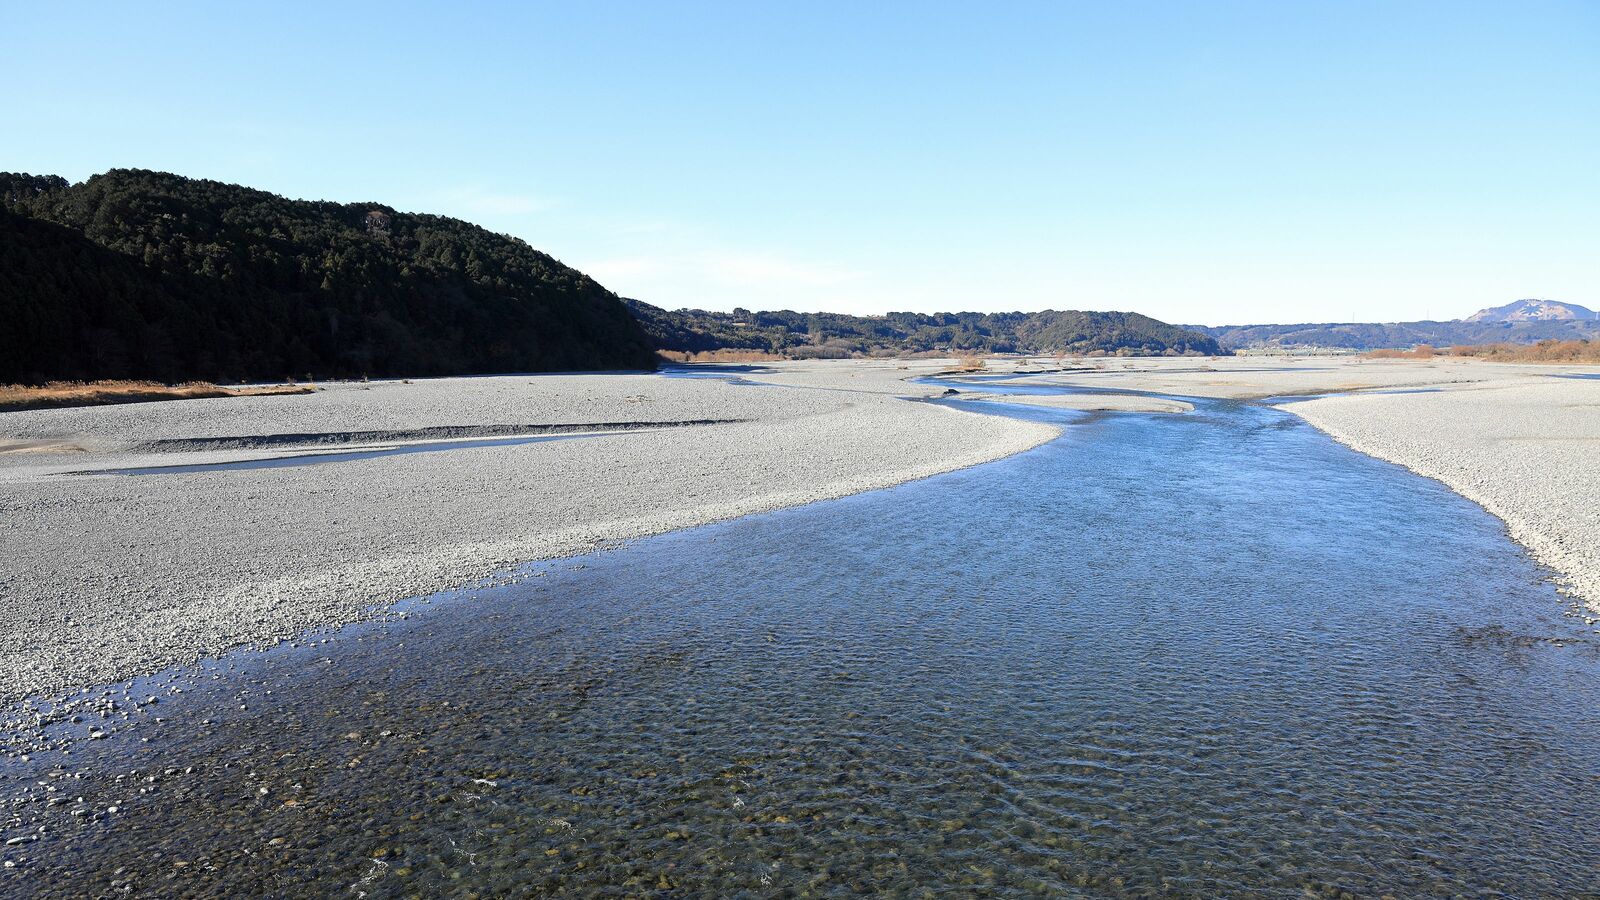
1204	654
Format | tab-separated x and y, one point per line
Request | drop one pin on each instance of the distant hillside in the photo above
138	274
1534	311
812	335
1377	336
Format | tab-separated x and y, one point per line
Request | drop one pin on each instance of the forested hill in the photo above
138	274
808	335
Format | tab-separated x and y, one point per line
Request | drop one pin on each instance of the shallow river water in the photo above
1182	655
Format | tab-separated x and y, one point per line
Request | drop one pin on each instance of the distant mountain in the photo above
1534	311
811	335
1377	336
138	274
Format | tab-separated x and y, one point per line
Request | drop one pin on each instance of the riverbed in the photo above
1198	654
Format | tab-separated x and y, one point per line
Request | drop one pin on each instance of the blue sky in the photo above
1200	162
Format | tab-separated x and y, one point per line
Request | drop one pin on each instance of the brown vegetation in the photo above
723	355
1548	351
1551	351
16	397
966	365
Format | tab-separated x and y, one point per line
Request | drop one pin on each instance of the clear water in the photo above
729	372
1213	654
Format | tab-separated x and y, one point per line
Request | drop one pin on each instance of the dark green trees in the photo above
833	334
150	275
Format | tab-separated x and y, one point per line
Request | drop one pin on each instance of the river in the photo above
1204	654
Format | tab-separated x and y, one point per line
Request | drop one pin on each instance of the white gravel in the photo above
1254	377
105	576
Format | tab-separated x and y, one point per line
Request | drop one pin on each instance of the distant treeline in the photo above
834	335
1374	336
138	274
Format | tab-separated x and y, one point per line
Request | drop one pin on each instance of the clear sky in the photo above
1212	163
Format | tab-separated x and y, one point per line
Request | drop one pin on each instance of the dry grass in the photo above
14	397
967	365
1551	351
726	355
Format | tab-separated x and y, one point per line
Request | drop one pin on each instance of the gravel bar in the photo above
106	576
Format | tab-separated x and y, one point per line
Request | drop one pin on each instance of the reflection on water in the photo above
1203	655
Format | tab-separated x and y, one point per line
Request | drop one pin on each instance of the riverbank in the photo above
1520	440
57	394
111	575
1527	451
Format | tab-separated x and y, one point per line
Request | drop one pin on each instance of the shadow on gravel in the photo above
435	433
453	438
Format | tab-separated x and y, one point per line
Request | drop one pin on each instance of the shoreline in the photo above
1574	578
109	576
112	576
1518	440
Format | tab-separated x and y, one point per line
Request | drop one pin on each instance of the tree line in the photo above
140	274
797	334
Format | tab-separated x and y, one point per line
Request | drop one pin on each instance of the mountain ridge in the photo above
1534	310
140	274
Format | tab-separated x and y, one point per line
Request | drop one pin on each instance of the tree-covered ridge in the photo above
152	275
836	335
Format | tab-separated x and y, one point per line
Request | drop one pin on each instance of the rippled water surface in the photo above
1205	654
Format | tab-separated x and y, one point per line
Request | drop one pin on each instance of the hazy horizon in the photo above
1245	163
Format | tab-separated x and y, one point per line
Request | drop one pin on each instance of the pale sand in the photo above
106	576
1262	377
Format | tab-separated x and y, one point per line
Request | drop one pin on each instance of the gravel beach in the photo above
110	575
